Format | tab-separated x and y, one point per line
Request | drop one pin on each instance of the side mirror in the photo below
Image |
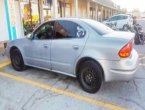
29	36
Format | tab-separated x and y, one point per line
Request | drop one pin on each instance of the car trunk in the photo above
121	35
119	40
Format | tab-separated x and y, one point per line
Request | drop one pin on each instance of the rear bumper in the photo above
122	70
122	75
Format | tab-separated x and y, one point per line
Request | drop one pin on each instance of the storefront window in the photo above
47	9
30	15
92	12
64	8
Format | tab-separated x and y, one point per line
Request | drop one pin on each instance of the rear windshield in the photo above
98	27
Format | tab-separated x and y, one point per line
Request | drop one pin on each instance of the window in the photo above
98	27
45	31
113	18
68	29
122	17
125	17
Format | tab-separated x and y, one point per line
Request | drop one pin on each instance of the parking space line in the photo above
63	92
5	63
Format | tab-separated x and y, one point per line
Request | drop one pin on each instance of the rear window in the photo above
98	27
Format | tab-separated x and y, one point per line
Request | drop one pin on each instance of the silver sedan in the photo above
81	48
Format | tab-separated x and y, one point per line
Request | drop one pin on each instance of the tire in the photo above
90	77
17	60
125	28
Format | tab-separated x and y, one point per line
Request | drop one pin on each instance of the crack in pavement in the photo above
50	95
132	101
23	107
136	87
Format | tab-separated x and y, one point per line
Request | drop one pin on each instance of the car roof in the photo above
67	19
121	15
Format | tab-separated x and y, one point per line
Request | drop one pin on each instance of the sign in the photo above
12	19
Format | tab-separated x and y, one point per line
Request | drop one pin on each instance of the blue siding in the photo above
8	19
11	29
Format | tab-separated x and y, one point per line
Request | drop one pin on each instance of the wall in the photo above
82	8
10	20
20	33
3	23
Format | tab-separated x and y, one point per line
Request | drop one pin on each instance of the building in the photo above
19	17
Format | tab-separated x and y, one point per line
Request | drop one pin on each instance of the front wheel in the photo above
17	60
90	76
125	28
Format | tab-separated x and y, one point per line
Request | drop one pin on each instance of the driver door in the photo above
38	50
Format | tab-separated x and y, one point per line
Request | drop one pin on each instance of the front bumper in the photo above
122	70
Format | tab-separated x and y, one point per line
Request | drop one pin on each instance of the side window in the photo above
113	18
125	17
122	17
119	17
45	31
68	29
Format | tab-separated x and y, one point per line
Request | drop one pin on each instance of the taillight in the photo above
126	50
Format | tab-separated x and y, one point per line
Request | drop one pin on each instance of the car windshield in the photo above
98	27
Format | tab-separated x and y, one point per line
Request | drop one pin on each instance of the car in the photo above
121	21
81	48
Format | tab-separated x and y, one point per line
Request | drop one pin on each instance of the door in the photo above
122	20
67	45
113	21
38	50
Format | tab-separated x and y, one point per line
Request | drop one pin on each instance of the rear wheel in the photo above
17	60
90	76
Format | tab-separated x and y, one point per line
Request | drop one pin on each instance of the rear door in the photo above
67	44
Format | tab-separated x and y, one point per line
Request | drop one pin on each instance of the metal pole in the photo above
30	13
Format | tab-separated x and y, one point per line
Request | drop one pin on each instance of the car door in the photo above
38	50
113	20
121	21
67	44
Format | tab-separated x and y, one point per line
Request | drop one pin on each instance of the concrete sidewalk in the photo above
3	57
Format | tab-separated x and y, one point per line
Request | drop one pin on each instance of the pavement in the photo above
36	89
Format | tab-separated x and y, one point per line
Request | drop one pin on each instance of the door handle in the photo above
45	46
75	47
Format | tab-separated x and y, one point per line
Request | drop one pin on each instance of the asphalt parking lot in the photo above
35	89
